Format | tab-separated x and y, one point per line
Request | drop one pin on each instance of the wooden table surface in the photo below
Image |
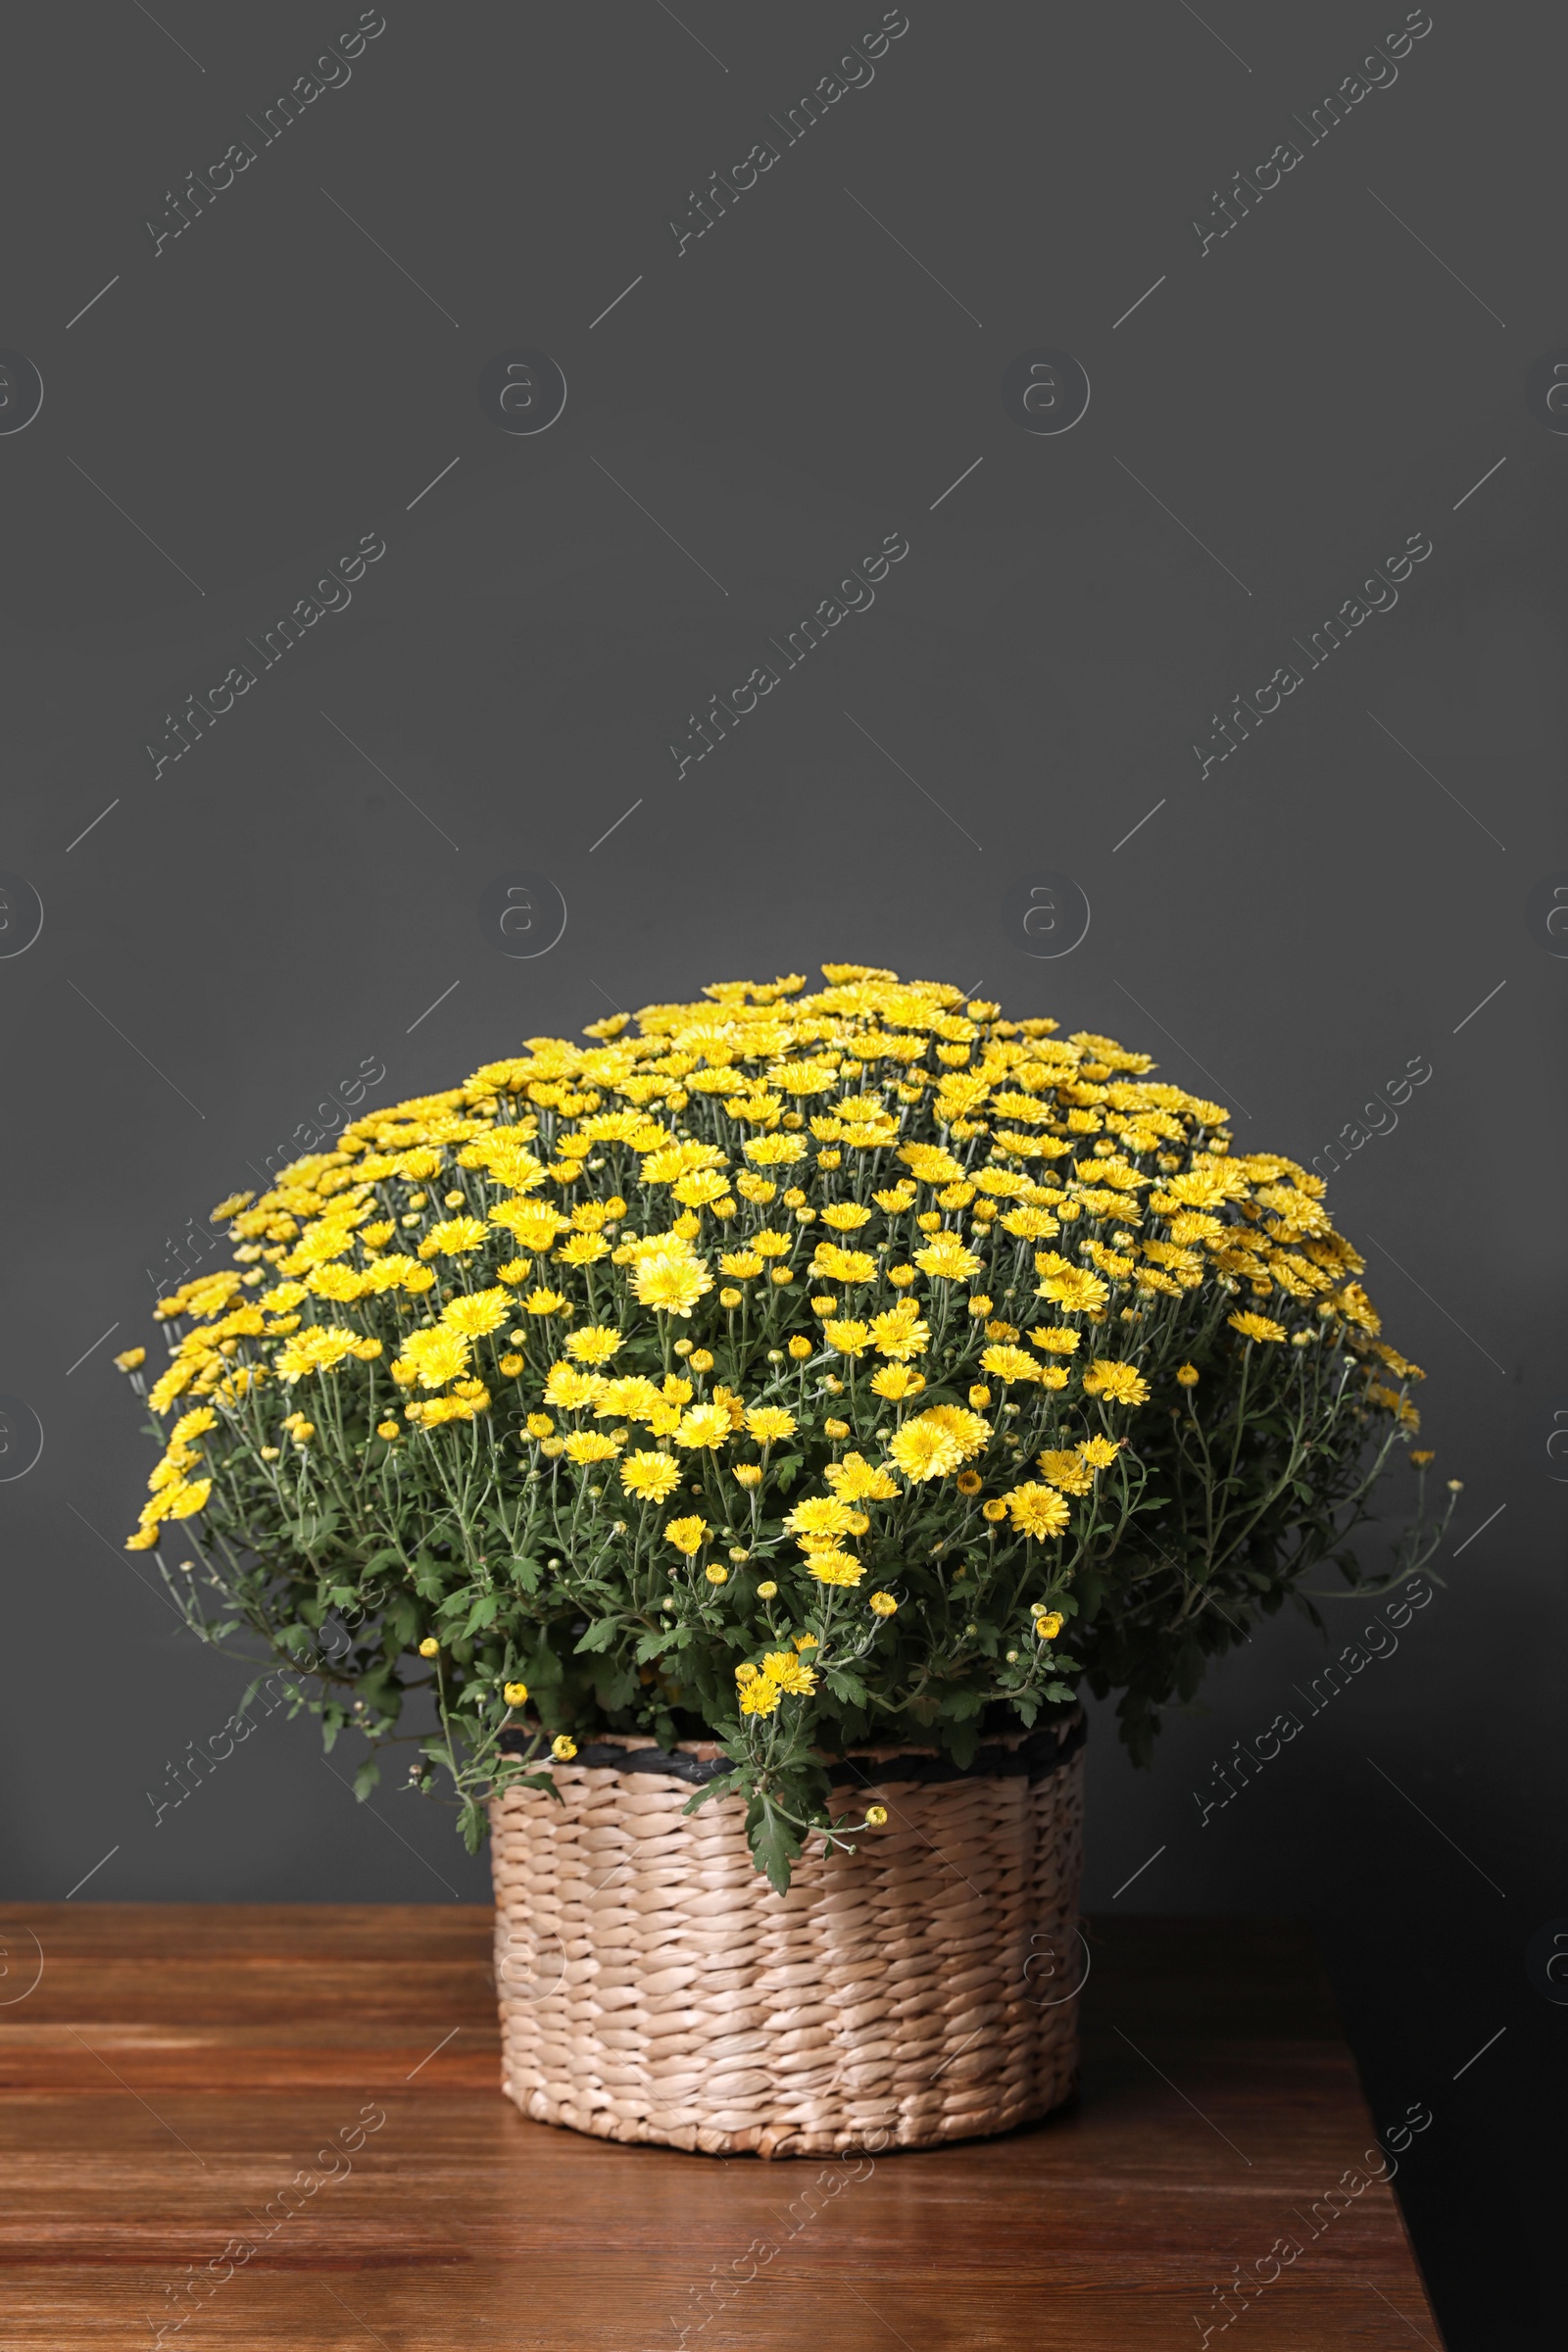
175	2067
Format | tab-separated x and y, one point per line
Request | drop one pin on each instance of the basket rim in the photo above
1033	1754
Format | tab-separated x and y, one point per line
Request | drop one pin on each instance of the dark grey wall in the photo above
229	936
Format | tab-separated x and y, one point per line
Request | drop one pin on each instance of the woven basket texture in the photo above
654	1987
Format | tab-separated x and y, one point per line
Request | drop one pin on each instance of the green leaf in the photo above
381	1688
512	1776
366	1779
542	1666
775	1843
962	1742
388	1556
727	1783
845	1686
601	1636
401	1618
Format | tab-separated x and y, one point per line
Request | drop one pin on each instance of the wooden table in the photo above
176	2066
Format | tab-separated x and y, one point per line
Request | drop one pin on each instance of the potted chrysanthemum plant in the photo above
724	1449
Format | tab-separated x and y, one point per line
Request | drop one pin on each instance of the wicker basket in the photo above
653	1985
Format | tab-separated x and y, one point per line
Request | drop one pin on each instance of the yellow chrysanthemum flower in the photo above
1068	1285
630	1397
930	1163
571	1389
855	1480
1037	1511
946	1259
1055	1339
582	1250
1030	1224
650	1477
532	1223
229	1206
169	1385
456	1237
595	1344
192	1425
1250	1327
835	1568
971	1430
671	1284
783	1667
1066	1471
823	1516
704	1426
901	1331
834	1264
433	1356
769	1424
896	1198
590	1445
477	1312
923	1449
320	1348
1117	1383
342	1282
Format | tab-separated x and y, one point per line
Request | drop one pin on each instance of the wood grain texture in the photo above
175	2067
